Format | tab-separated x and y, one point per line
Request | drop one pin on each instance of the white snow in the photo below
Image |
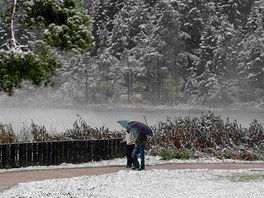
149	160
150	183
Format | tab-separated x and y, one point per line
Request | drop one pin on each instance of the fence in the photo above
57	152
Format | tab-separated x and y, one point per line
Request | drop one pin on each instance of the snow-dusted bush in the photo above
210	134
174	138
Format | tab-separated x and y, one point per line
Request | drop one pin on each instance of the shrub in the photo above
210	134
6	133
170	153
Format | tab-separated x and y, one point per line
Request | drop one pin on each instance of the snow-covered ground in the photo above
150	183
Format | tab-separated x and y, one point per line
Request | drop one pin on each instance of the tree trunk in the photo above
13	39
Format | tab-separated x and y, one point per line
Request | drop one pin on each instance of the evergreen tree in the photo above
107	79
61	24
212	90
192	13
99	31
168	29
126	26
129	70
219	51
237	11
113	8
252	56
68	26
224	59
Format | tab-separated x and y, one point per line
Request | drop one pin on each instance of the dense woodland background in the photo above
202	52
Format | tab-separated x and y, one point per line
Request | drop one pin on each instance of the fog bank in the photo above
61	118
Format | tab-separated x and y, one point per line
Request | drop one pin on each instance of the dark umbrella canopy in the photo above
137	126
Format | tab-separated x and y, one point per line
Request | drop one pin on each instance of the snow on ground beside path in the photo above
151	183
149	160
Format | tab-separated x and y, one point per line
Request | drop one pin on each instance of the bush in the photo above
168	154
210	134
178	138
6	133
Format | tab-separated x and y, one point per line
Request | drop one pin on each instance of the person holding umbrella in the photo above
130	142
141	142
141	130
130	145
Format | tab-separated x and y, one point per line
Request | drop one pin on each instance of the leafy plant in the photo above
39	133
6	133
210	134
81	130
169	153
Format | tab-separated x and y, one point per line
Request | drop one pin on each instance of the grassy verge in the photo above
245	177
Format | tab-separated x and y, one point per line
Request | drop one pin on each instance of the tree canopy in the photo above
150	51
33	30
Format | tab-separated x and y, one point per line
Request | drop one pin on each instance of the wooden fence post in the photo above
4	156
78	152
104	150
67	152
22	154
41	153
87	151
35	154
61	152
29	154
13	155
81	151
54	153
96	154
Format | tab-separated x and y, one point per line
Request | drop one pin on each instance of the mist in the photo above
59	118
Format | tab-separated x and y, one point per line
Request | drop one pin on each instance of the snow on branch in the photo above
13	45
12	24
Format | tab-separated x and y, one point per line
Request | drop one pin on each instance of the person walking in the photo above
141	141
142	130
130	145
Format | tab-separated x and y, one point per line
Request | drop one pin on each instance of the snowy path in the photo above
10	179
185	183
190	179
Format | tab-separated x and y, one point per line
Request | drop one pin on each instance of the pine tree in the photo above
252	56
112	9
50	23
168	30
99	31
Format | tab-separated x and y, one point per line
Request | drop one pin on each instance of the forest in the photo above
158	52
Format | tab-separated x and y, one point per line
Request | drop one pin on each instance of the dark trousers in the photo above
129	150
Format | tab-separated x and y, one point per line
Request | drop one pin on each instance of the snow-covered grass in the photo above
150	183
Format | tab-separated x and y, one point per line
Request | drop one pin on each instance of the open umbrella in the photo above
136	126
124	123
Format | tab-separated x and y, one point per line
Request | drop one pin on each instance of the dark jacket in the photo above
141	139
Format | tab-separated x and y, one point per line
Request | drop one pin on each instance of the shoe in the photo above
135	168
141	169
128	166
